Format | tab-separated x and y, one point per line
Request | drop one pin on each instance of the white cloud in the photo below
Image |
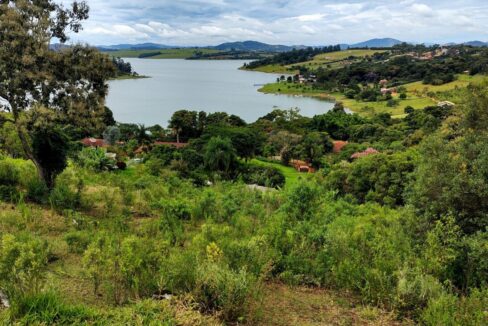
315	22
422	9
310	18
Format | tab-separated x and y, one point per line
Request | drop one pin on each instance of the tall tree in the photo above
184	123
71	82
220	155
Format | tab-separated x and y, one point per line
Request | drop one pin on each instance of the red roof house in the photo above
93	142
339	145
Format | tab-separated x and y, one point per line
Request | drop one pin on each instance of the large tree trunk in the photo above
28	151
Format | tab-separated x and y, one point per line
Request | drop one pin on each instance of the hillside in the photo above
476	43
376	43
253	46
141	46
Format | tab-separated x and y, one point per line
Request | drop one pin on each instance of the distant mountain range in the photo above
476	43
142	46
254	46
376	43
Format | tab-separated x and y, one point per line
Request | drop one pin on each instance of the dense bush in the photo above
220	289
94	159
262	175
23	263
381	178
9	180
124	267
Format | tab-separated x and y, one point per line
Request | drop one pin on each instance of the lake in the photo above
201	86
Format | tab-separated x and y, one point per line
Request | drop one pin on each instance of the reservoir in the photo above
210	86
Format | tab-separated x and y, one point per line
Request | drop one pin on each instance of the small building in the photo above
367	152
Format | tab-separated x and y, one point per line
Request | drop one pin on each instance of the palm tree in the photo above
220	155
142	136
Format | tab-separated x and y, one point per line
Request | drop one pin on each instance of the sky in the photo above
289	22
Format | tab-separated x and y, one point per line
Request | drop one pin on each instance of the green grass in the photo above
370	108
125	77
181	53
462	81
325	60
417	95
293	89
364	108
292	176
276	69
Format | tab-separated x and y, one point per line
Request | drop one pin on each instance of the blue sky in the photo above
309	22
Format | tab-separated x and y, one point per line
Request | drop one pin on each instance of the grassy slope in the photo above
182	53
283	305
313	307
321	60
292	176
461	81
416	92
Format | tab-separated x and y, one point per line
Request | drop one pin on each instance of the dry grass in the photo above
284	306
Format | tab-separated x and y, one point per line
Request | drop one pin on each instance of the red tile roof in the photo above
339	145
93	142
174	144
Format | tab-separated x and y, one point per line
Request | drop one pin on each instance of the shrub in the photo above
449	310
23	262
364	253
124	266
37	190
477	260
175	208
77	241
414	291
228	292
301	201
178	272
48	309
63	197
9	179
94	159
262	175
9	174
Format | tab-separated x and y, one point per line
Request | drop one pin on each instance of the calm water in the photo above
198	85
